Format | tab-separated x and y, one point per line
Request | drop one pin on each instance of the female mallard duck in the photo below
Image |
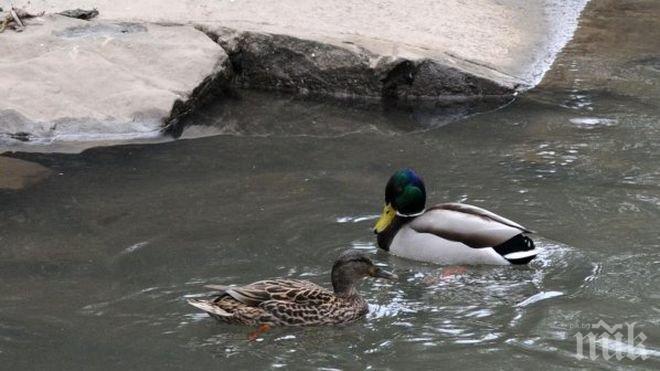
292	302
450	233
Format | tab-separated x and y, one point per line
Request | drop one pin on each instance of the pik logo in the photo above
612	343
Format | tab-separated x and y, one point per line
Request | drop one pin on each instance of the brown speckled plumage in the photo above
293	302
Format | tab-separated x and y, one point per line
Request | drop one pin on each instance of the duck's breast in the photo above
428	247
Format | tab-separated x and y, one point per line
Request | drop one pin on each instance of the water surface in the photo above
99	256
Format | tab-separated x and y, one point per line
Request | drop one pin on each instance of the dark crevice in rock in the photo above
236	60
80	13
402	74
21	136
213	87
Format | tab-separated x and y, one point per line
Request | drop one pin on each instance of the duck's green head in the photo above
405	196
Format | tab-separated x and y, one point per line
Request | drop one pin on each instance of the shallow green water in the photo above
97	260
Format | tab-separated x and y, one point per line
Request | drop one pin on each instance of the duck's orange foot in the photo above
445	274
452	271
254	335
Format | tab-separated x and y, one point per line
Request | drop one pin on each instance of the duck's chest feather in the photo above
428	247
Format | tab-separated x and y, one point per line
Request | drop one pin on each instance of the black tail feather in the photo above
517	243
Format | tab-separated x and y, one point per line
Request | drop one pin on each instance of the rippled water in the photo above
99	256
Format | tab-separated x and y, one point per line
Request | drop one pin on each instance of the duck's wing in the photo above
221	288
476	210
211	307
284	290
471	225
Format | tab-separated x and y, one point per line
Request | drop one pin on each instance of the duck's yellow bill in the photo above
385	219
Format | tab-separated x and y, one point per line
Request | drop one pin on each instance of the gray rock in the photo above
511	42
69	79
286	63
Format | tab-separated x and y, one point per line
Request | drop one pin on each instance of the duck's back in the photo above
287	302
473	230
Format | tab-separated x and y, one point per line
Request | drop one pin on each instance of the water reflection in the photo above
592	122
242	113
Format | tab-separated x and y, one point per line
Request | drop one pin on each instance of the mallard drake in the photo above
293	302
449	233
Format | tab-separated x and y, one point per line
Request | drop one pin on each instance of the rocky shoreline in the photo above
134	70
